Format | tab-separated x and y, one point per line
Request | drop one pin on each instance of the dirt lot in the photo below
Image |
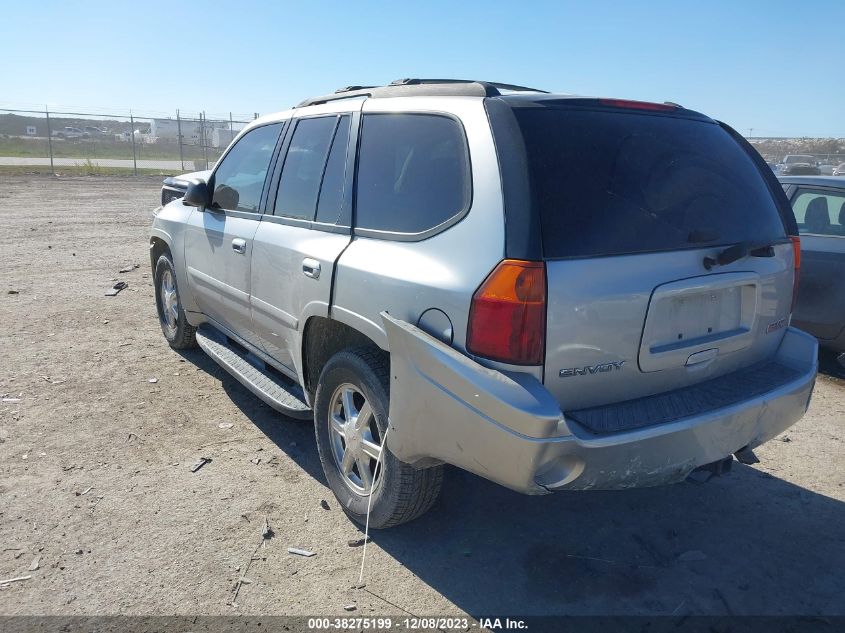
95	477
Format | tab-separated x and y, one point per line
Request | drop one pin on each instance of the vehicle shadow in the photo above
829	365
294	437
744	543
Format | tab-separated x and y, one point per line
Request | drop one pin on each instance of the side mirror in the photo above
197	195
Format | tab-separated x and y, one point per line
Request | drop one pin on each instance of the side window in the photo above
413	172
819	212
303	169
334	179
239	178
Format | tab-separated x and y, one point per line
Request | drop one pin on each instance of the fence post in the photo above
179	133
204	141
132	134
49	140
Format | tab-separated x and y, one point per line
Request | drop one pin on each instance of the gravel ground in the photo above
96	487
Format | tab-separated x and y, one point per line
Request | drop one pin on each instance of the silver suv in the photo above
552	292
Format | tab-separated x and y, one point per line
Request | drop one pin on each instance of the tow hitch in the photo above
705	473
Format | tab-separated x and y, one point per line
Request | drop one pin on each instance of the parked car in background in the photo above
552	292
840	170
799	164
826	168
69	132
95	132
819	207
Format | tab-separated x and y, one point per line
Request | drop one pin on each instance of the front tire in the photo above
171	316
350	415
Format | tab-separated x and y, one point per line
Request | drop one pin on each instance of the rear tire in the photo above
355	384
171	316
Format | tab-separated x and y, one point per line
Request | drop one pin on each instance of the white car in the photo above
70	132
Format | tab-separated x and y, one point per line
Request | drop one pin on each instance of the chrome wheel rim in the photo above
355	438
169	301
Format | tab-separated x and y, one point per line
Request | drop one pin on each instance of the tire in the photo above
402	492
171	316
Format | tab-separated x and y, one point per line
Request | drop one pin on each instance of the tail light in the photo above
639	105
796	255
507	318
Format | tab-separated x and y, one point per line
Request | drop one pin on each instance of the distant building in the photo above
31	130
217	133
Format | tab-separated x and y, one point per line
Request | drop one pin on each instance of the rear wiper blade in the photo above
739	251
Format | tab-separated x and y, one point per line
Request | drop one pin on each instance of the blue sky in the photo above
771	66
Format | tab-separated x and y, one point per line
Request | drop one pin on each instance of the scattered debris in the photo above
300	552
120	285
225	425
13	292
692	555
359	585
35	564
349	607
78	552
358	542
11	580
131	436
267	532
324	504
202	462
785	439
11	400
84	492
152	380
129	269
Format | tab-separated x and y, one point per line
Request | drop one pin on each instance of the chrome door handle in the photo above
311	268
239	245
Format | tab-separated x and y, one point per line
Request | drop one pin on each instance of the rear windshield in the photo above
614	183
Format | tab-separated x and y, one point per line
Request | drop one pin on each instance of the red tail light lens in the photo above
507	318
796	252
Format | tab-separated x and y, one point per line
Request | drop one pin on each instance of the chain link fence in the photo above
103	143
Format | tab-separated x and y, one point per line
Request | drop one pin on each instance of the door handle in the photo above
311	268
239	245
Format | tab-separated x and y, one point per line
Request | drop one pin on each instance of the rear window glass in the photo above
413	172
610	183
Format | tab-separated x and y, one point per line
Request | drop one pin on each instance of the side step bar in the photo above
273	389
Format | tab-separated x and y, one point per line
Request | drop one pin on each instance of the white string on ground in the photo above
376	473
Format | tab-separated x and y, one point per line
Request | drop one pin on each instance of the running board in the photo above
273	389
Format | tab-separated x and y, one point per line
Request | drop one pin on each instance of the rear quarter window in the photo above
613	183
413	173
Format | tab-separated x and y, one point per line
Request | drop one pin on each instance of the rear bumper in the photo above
509	429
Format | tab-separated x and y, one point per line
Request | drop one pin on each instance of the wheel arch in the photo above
322	338
158	247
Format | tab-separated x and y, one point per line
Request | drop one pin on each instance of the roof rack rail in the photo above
351	88
421	87
494	84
